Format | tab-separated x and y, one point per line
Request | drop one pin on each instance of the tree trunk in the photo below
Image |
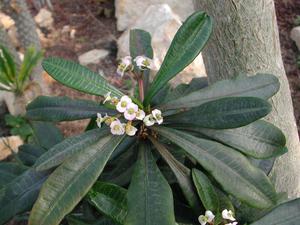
4	40
27	34
25	24
245	39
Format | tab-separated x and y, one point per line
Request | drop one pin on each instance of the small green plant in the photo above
19	126
194	154
15	79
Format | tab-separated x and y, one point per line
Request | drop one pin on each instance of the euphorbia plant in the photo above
189	155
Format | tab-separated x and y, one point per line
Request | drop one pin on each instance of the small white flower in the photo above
149	120
208	218
122	104
100	119
140	114
143	62
131	111
130	130
228	215
233	223
107	97
125	65
157	116
117	128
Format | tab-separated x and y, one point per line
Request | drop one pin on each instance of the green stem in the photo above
141	88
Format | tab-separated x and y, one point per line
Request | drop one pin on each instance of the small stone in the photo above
9	144
44	19
66	29
295	36
6	21
72	33
93	57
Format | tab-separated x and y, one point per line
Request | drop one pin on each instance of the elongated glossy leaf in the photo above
46	134
20	194
140	44
259	139
229	167
29	153
78	77
150	200
68	184
261	85
205	191
9	171
185	47
284	214
224	113
57	109
60	152
109	199
182	174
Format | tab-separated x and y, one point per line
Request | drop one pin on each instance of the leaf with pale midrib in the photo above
261	85
150	200
78	77
69	183
229	167
56	109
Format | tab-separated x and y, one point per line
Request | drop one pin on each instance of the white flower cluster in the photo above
126	64
209	217
131	112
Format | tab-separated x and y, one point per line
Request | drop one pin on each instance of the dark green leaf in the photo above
69	183
182	173
224	113
46	134
19	195
206	191
60	152
150	200
259	139
140	44
185	47
29	153
78	77
284	214
229	167
63	109
9	171
262	86
109	199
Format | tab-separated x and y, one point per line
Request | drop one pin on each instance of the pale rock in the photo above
6	21
66	29
8	145
44	18
295	36
93	56
128	11
162	24
72	33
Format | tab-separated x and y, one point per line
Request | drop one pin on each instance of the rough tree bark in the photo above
245	39
27	34
4	40
25	24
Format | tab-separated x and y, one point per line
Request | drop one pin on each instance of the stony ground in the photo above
94	29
